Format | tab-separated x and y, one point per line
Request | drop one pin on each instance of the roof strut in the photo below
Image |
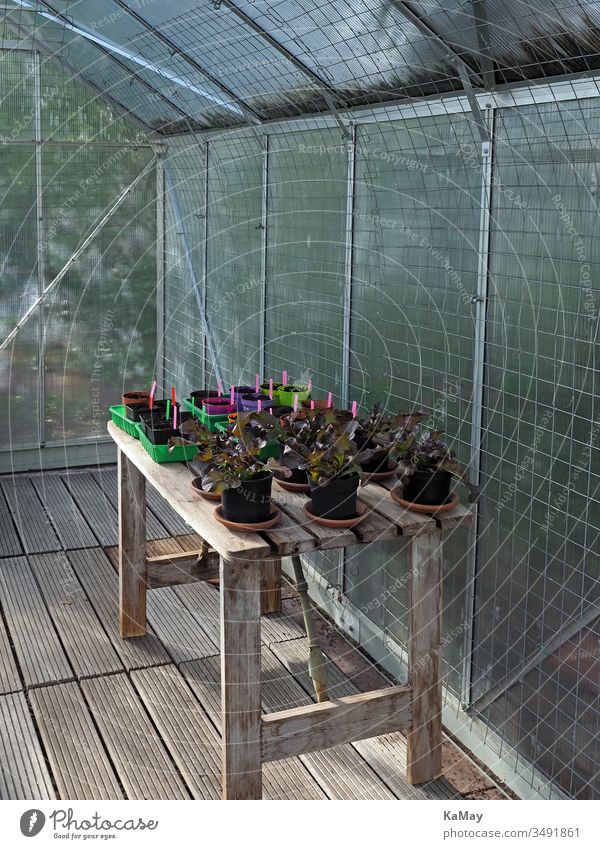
483	38
250	113
118	61
422	25
330	95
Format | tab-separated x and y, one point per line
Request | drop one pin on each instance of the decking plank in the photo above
88	648
100	583
10	542
23	770
69	522
178	629
97	509
78	760
140	758
340	772
202	599
108	483
386	753
37	646
33	524
10	680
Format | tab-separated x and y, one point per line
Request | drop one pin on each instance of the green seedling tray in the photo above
211	422
161	453
117	414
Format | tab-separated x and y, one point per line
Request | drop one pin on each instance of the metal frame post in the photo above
349	258
205	258
480	302
160	271
41	268
263	257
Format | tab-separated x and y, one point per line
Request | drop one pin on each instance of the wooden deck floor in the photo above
85	714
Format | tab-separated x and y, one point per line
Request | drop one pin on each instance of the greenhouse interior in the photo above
350	244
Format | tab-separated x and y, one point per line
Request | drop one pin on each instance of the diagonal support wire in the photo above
53	283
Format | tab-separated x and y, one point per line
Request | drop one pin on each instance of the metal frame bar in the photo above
480	301
421	24
160	270
205	255
349	258
250	113
105	52
263	257
41	259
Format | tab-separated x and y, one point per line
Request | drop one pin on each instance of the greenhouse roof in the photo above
183	65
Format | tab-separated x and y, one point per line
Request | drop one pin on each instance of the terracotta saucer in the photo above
428	509
209	496
379	476
292	487
273	520
337	523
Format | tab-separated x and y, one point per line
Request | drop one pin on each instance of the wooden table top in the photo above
296	533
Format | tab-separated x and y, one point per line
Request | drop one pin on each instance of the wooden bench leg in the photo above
270	596
132	549
424	744
240	679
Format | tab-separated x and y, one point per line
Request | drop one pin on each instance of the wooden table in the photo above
249	567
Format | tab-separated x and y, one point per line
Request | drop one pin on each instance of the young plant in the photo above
430	453
334	455
256	426
231	463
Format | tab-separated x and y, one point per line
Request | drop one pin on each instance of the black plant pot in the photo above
135	412
430	487
376	464
298	476
336	499
199	394
280	410
157	413
362	440
159	431
249	503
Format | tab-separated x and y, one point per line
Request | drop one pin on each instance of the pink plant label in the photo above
309	385
312	405
174	417
259	405
295	402
354	409
271	388
329	399
153	390
219	387
284	378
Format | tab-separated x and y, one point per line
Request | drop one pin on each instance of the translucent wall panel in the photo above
75	113
415	261
101	318
185	166
19	367
17	117
305	257
540	547
234	247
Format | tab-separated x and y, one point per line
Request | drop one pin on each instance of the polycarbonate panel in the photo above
527	40
101	318
233	53
19	367
184	242
234	246
73	112
416	225
553	712
540	546
17	117
365	51
103	72
306	244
